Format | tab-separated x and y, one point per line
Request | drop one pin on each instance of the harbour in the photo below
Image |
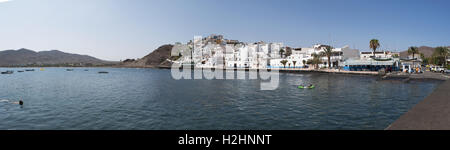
136	98
430	114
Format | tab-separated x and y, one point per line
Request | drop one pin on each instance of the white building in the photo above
230	56
274	50
298	58
243	57
384	54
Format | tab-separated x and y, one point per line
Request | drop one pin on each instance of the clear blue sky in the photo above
119	29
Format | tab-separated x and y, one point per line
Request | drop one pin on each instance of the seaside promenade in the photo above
394	75
433	113
293	70
325	71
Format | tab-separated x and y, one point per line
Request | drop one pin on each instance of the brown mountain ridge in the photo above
26	57
425	50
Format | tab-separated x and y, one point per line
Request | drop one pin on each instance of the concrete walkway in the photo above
304	70
433	113
425	75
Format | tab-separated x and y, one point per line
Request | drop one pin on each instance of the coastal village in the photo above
215	51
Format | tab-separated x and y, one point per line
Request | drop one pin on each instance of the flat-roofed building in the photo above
384	54
370	65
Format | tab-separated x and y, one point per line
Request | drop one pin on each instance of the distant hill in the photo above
26	57
425	50
157	58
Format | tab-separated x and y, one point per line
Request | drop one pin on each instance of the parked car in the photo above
438	69
447	71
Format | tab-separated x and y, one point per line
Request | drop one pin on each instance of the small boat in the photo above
69	69
42	69
20	71
382	59
306	87
86	70
29	69
103	72
8	72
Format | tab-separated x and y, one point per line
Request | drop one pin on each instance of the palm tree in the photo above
284	63
315	61
374	44
442	53
328	51
413	50
425	60
281	52
294	62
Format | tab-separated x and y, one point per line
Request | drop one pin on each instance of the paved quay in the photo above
296	70
433	113
336	71
413	76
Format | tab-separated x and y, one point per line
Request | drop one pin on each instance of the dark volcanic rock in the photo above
159	55
157	58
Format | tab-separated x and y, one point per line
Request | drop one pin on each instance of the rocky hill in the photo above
157	58
425	50
26	57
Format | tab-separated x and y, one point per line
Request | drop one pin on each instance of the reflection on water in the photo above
151	99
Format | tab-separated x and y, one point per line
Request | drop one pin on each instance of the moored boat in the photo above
382	59
8	72
306	87
103	72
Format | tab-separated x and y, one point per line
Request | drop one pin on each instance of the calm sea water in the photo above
151	99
